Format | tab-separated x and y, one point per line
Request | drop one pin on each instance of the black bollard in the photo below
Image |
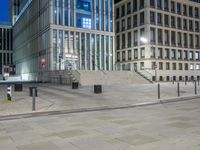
195	88
178	89
158	91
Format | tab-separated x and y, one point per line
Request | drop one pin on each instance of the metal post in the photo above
178	89
33	102
158	91
9	93
198	82
185	82
173	81
195	87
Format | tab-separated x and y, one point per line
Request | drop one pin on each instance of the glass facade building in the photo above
67	34
5	46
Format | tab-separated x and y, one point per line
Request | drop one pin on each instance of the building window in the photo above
160	66
142	52
118	42
180	66
142	65
174	66
141	18
179	39
166	37
197	41
128	7
166	20
160	53
141	4
117	27
185	55
173	38
153	52
191	66
196	26
178	8
172	6
123	41
190	11
129	23
185	10
197	56
135	38
173	54
196	12
160	36
123	56
123	25
135	54
191	55
185	40
117	13
166	5
135	21
173	24
123	11
152	3
197	66
118	56
159	4
134	5
129	55
152	34
159	18
167	66
186	66
167	56
179	54
191	25
179	23
152	17
129	39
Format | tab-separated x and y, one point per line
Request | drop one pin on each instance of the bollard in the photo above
185	82
158	91
178	89
9	92
195	88
198	82
33	101
173	81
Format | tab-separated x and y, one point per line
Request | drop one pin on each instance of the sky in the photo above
4	10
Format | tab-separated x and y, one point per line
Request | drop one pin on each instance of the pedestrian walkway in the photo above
59	97
172	126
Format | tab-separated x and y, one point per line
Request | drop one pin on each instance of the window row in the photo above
173	21
166	5
131	6
5	39
173	38
65	14
159	53
158	37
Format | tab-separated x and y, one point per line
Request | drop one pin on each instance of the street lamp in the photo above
145	41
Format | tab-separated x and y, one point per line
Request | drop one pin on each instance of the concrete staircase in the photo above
111	77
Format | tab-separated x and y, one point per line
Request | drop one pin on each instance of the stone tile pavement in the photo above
60	97
171	126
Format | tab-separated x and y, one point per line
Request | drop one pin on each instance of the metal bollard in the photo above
178	89
158	91
195	88
33	101
9	93
185	82
198	82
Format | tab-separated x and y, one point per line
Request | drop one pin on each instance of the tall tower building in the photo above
50	35
159	39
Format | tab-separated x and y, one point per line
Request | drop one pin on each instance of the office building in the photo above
51	35
160	39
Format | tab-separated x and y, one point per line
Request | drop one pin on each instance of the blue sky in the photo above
4	10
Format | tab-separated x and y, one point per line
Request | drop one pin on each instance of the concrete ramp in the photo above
110	77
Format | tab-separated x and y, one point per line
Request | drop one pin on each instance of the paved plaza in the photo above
170	126
60	97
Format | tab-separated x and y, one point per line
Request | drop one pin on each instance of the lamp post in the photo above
145	41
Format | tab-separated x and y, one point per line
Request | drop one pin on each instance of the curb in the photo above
102	108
